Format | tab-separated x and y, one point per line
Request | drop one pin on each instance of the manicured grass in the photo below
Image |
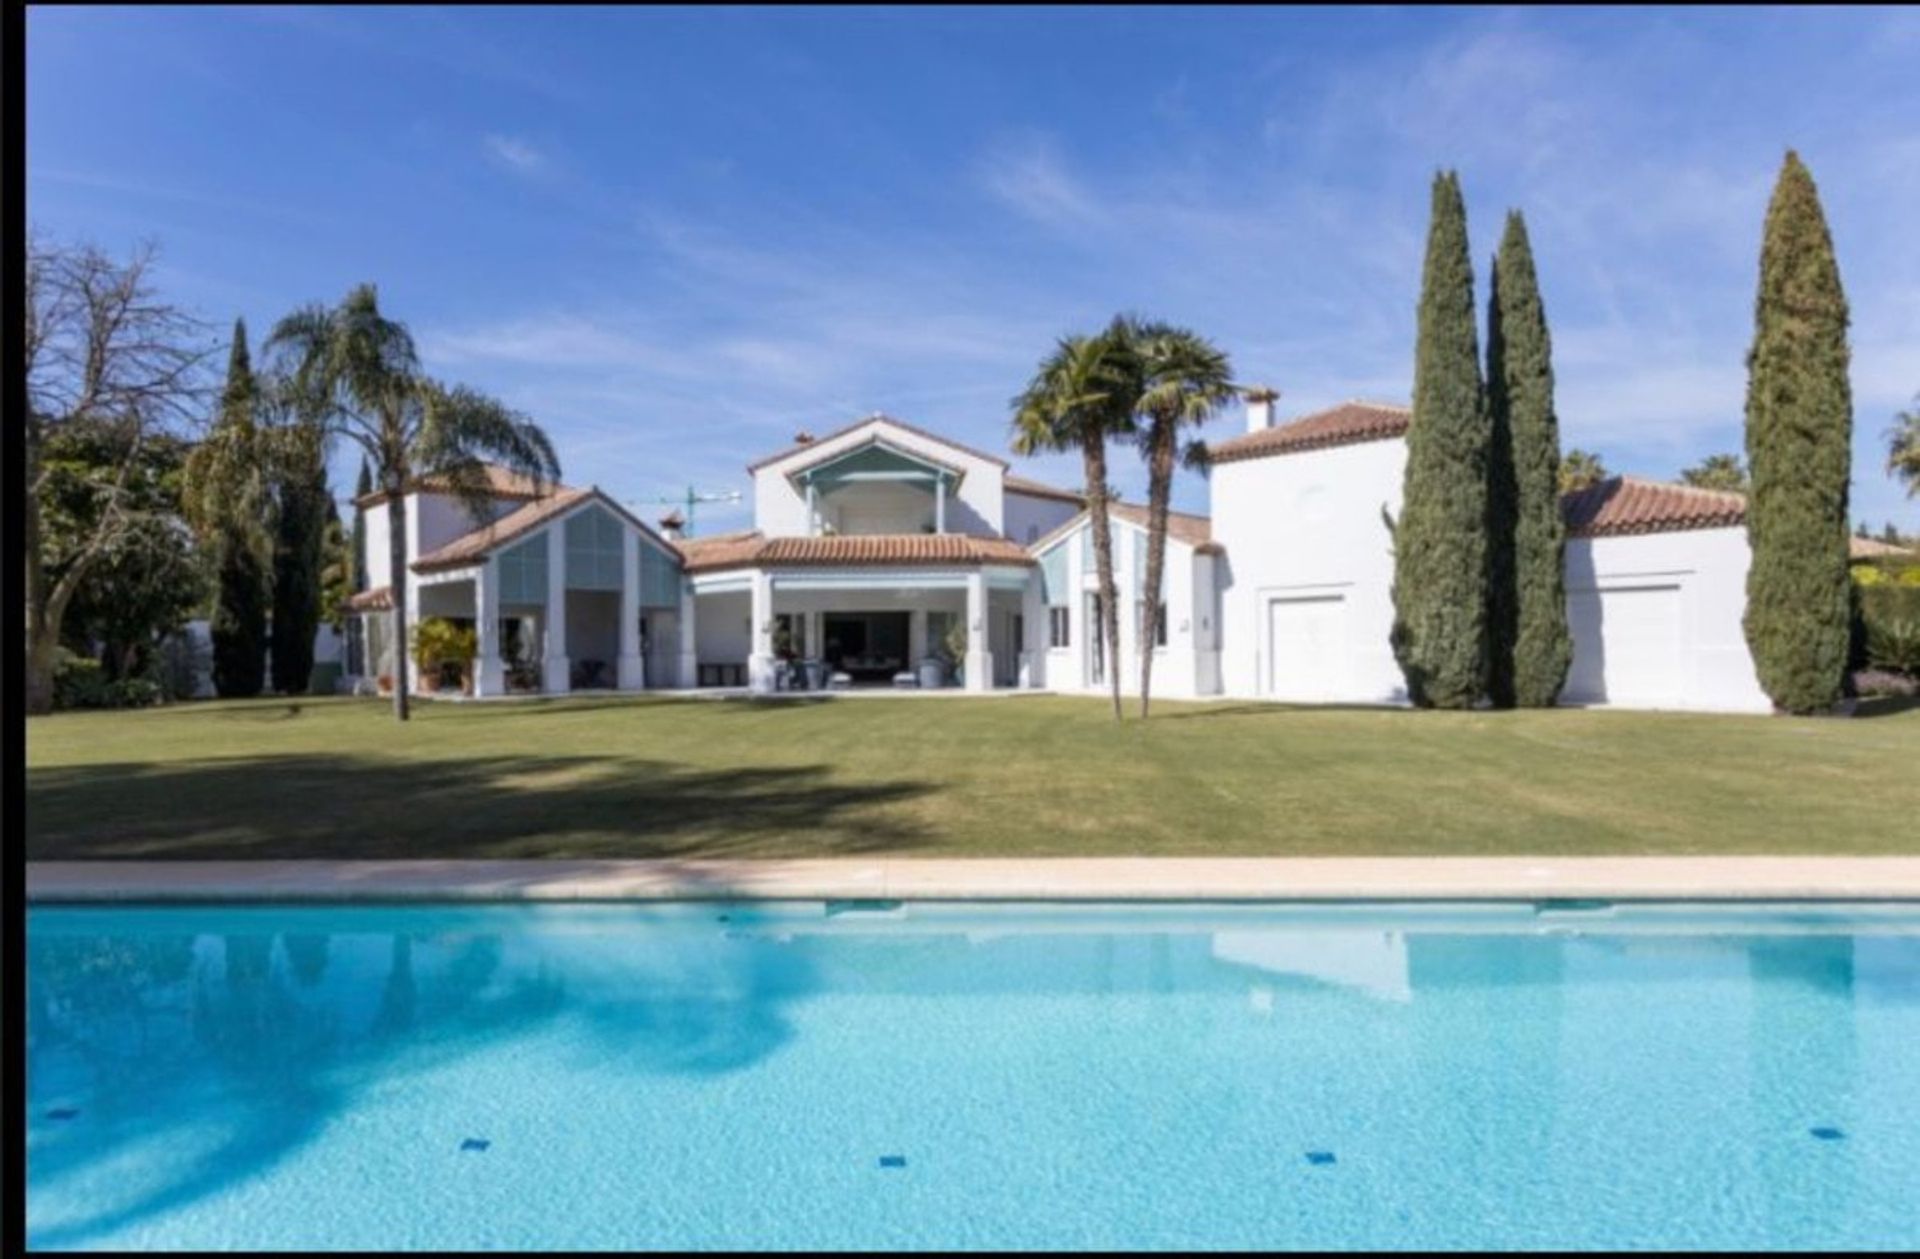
1037	775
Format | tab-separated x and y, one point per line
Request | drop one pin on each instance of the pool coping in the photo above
987	879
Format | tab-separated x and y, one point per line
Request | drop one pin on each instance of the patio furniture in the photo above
840	680
905	679
932	673
724	673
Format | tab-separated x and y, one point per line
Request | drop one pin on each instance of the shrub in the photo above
1895	644
1877	610
80	682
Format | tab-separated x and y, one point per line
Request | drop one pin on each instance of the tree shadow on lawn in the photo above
345	807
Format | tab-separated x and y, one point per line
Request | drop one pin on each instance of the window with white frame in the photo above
1059	632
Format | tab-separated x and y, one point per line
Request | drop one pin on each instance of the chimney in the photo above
1260	400
672	525
803	438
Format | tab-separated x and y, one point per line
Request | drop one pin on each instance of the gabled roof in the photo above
469	548
1343	425
1040	489
1183	527
1624	505
875	550
501	483
857	425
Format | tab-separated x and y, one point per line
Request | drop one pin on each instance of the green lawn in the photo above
1041	776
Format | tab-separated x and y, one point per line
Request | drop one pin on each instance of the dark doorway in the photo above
868	646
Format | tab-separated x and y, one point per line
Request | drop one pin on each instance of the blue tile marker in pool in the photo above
893	1160
1321	1158
476	1145
1827	1134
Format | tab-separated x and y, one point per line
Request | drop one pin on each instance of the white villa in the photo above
885	555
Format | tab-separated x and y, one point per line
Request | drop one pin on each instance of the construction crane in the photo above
692	499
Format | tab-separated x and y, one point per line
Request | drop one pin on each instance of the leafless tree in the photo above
103	350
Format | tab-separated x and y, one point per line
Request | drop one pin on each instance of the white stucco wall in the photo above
379	563
433	520
879	508
1303	526
1184	668
1694	582
1308	527
1029	518
780	509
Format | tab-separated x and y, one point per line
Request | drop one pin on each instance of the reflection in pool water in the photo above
781	1076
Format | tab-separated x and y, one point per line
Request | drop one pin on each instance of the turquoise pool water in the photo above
807	1075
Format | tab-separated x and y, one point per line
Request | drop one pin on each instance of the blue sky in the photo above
676	237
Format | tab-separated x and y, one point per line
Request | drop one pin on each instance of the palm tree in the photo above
1903	448
1184	380
1579	469
360	374
1080	398
1717	472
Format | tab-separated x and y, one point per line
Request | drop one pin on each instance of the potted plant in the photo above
440	645
954	647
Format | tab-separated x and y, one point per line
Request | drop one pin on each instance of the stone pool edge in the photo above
982	879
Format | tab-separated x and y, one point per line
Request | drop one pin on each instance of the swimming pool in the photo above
870	1075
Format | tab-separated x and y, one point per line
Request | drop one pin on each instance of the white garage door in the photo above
1306	647
1626	645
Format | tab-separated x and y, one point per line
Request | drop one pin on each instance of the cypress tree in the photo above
1530	647
1799	448
1440	540
298	557
227	471
362	488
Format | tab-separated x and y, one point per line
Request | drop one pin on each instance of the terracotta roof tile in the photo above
502	483
881	550
469	547
1185	527
1040	489
875	418
722	550
378	599
1625	505
1859	548
1343	425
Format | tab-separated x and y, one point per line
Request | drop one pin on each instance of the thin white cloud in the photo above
1029	177
515	154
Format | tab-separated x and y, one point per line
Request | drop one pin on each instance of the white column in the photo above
813	521
760	663
689	657
489	676
939	503
556	676
816	634
1033	651
630	673
979	658
422	685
